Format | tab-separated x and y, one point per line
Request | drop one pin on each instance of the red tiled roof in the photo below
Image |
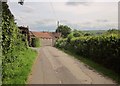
46	35
57	35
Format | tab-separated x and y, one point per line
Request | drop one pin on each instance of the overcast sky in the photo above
87	15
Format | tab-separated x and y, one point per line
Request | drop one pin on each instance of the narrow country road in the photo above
55	67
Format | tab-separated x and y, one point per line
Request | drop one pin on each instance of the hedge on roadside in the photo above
101	49
17	57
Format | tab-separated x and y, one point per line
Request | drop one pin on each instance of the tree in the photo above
64	30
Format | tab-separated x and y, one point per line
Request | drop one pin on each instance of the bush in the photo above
35	42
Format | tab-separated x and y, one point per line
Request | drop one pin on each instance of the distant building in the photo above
46	38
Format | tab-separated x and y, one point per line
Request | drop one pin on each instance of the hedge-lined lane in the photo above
101	49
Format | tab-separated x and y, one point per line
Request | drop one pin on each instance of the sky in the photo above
41	15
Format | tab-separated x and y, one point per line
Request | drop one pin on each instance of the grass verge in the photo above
99	68
18	72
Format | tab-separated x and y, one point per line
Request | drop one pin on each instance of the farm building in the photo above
46	38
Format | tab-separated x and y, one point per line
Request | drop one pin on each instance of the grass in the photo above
19	74
99	68
29	57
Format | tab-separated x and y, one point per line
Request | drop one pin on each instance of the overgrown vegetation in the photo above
102	49
17	57
35	42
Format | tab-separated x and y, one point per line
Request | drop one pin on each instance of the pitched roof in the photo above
56	35
46	35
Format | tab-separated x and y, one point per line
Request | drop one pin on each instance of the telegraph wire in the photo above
54	13
53	9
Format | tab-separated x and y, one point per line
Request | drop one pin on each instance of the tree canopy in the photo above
64	30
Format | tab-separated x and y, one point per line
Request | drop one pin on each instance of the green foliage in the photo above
64	30
17	72
16	58
77	33
69	37
102	49
87	34
35	42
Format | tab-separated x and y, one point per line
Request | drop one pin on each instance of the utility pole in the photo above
57	23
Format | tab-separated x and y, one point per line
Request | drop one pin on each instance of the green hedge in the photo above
35	42
101	49
16	56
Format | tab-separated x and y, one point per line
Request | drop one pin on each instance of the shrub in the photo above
35	42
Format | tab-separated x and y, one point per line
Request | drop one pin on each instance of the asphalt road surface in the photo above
56	67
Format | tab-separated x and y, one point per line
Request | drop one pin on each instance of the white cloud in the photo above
96	14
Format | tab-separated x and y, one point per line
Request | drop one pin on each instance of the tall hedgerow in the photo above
16	61
102	49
